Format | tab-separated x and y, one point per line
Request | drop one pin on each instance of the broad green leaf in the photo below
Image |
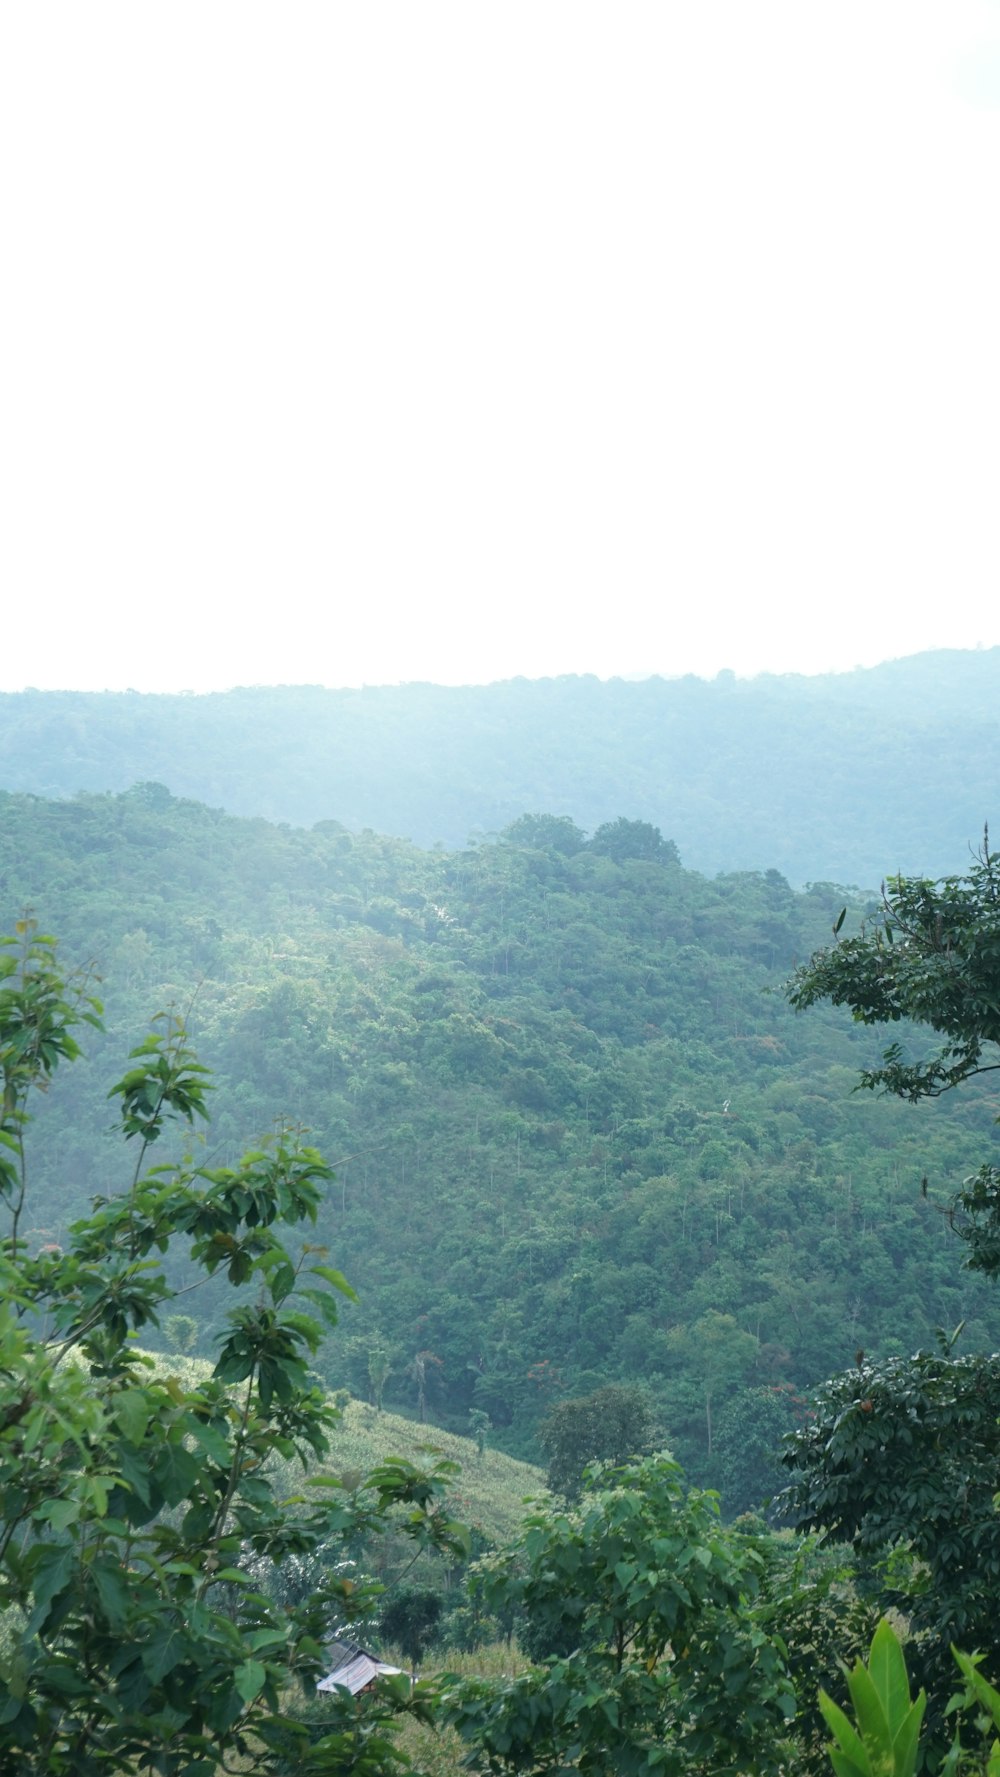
135	1475
54	1568
845	1766
95	1489
112	1589
887	1669
52	1571
60	1513
212	1441
133	1412
851	1746
873	1723
459	1533
906	1742
266	1638
250	1679
336	1278
176	1472
165	1650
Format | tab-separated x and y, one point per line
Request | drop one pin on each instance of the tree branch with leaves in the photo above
135	1509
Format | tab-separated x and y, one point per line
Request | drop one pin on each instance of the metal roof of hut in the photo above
353	1667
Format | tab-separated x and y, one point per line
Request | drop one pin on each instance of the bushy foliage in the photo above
900	1456
930	954
654	1660
611	1425
901	1460
410	1619
810	1597
886	1734
135	1509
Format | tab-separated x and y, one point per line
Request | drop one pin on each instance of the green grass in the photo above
488	1495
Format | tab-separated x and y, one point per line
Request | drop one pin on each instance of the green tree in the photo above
666	1670
410	1620
546	832
930	954
136	1512
719	1353
480	1426
610	1425
181	1332
747	1452
423	1369
901	1456
900	1459
379	1371
623	839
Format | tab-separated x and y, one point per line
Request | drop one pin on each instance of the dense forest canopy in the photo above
578	1135
837	777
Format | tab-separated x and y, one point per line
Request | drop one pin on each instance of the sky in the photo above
368	342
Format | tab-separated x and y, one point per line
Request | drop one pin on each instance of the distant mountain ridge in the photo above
836	777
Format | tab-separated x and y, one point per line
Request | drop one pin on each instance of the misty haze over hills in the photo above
840	777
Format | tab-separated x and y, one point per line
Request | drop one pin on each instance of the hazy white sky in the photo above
369	341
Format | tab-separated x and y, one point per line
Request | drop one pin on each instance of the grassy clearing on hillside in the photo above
488	1495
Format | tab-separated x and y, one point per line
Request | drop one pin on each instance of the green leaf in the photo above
906	1742
872	1720
336	1278
135	1476
459	1533
94	1489
984	1691
212	1441
112	1589
323	1302
845	1766
165	1650
60	1513
176	1472
262	1638
887	1669
52	1571
851	1751
133	1413
250	1679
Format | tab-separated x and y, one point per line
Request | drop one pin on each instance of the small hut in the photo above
354	1668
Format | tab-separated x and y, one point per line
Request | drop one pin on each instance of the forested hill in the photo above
578	1136
839	777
